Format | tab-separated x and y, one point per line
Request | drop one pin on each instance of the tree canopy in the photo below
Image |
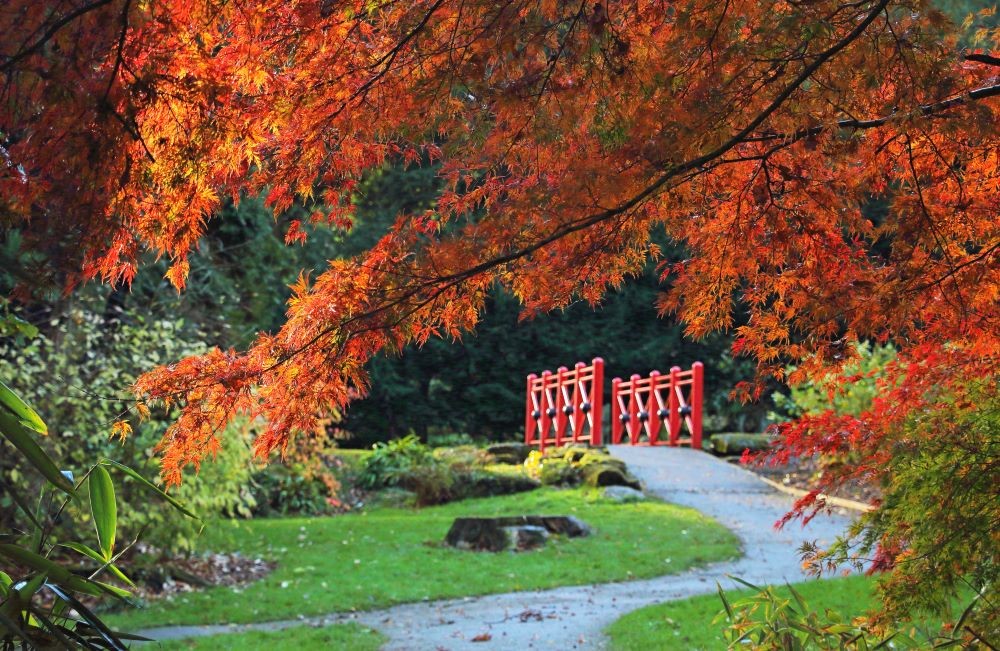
567	137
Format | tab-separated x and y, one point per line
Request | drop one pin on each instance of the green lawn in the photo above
687	623
349	637
389	555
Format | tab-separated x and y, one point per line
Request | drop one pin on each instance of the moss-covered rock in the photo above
607	474
574	453
509	453
557	472
574	465
597	457
735	443
488	484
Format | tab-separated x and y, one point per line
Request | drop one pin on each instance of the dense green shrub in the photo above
391	461
78	378
849	392
432	483
280	489
934	538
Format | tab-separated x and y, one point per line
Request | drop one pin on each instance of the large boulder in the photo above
526	537
512	532
574	453
555	471
603	458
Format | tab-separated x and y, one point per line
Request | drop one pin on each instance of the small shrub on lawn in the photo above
282	490
390	462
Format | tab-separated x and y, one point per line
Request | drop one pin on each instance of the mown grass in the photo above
346	637
389	555
688	623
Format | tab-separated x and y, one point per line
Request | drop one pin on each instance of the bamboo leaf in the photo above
104	509
96	555
23	438
149	486
88	616
20	410
53	571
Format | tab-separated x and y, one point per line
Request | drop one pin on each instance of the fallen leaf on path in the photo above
529	614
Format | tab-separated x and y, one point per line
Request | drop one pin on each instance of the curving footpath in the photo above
574	617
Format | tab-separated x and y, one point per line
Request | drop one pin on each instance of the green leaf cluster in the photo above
40	596
75	372
849	392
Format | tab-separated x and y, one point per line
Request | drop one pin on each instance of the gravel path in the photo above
574	617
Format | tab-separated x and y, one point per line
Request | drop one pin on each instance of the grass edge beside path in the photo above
688	623
389	556
347	637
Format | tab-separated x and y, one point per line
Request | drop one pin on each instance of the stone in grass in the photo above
623	494
494	534
525	538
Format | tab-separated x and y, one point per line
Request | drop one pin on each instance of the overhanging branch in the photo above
924	110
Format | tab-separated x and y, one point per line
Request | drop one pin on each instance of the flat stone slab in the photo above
519	532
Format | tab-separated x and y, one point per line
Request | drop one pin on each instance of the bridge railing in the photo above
565	406
655	410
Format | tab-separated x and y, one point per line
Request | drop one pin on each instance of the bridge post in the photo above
675	410
697	391
529	408
545	407
597	403
634	425
560	403
653	408
616	412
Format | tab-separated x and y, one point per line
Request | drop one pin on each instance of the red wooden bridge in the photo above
659	409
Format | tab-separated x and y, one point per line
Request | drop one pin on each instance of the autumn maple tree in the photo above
757	133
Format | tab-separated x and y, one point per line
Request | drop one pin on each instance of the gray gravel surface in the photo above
574	617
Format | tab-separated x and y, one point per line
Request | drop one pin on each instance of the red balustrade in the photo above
642	406
562	407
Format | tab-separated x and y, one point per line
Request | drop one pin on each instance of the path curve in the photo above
574	617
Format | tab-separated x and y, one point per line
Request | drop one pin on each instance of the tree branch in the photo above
983	58
52	31
924	110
